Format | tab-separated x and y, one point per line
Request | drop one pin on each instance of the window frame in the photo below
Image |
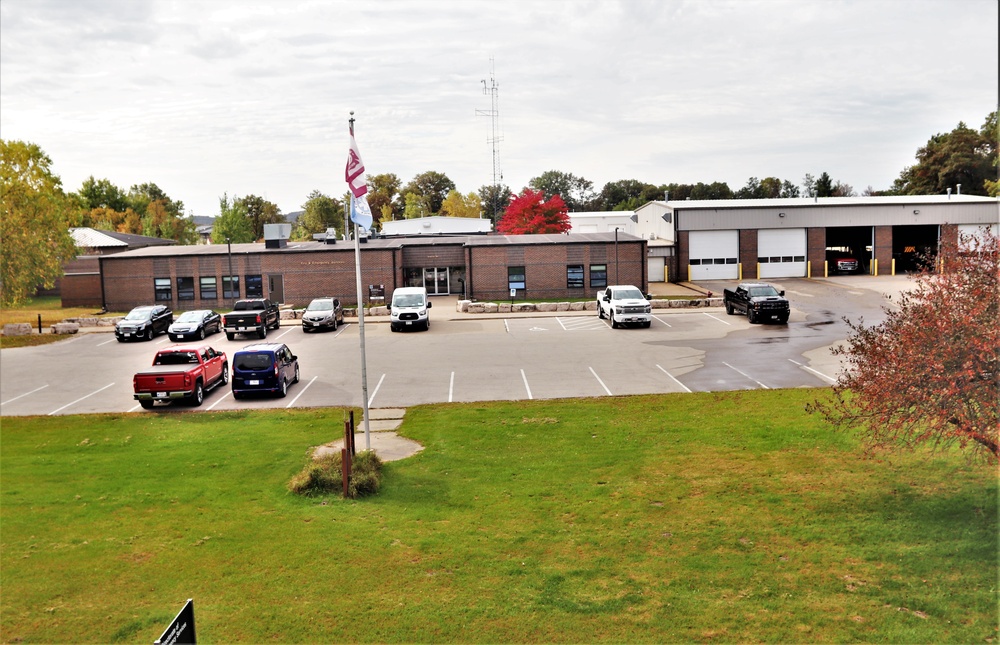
185	288
519	271
211	292
575	278
596	271
163	290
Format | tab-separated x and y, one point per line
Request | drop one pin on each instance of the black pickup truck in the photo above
254	316
760	301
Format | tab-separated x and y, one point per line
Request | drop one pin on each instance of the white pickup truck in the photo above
624	304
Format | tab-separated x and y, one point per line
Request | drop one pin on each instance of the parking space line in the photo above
746	375
301	393
219	400
113	339
675	379
80	399
819	374
600	381
372	397
25	394
724	322
525	379
663	321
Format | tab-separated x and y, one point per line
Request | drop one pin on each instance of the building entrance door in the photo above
436	281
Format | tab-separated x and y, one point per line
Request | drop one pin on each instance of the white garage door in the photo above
715	255
654	272
782	252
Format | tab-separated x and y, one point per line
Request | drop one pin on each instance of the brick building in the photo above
475	267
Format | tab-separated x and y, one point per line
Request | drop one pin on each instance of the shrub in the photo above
324	475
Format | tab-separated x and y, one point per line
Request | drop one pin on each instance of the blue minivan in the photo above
264	367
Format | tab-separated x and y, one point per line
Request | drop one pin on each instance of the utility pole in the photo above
493	91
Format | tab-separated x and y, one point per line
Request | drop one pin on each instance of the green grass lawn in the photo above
674	518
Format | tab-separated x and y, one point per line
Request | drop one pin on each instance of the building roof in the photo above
92	238
377	243
793	202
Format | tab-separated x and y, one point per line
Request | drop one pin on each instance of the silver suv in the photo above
322	313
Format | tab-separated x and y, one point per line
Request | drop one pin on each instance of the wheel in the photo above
283	392
225	374
600	312
296	379
427	324
335	324
121	340
147	405
230	336
729	309
149	334
647	324
262	332
393	328
237	395
199	394
614	323
751	317
783	320
201	334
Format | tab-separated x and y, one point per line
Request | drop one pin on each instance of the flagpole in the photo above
361	320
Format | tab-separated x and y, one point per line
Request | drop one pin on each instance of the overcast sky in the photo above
210	97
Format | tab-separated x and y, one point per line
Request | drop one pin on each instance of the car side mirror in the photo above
649	296
294	357
781	293
429	304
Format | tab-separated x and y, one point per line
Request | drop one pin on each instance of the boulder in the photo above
17	329
65	328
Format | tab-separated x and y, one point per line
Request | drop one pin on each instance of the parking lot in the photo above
469	357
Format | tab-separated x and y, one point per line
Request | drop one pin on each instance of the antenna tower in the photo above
493	91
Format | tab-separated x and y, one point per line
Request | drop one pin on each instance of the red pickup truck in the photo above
181	373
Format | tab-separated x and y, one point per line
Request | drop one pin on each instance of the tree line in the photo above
37	213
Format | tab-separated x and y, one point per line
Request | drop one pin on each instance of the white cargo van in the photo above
408	309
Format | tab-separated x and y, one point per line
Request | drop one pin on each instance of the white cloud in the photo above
206	98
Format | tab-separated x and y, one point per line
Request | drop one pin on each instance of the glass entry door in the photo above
436	281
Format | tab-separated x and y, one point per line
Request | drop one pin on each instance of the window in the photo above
162	290
185	288
598	275
515	278
230	287
255	286
209	288
574	276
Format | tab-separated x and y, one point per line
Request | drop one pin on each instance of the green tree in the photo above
320	213
231	224
576	192
432	186
458	205
767	188
415	206
383	196
260	211
142	195
495	200
35	215
625	195
962	156
101	193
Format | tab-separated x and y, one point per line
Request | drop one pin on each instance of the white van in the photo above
408	309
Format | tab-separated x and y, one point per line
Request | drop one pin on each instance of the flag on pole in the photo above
361	213
355	171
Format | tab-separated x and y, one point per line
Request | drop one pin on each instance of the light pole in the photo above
616	256
229	248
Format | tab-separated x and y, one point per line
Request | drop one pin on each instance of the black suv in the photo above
142	323
264	367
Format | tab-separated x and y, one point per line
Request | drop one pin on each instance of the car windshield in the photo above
762	292
189	316
320	305
628	294
408	300
138	314
254	361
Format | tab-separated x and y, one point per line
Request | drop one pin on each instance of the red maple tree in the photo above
529	213
930	372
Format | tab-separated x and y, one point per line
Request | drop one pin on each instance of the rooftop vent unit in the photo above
276	235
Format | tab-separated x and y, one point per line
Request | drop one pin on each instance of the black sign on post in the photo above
181	631
376	292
